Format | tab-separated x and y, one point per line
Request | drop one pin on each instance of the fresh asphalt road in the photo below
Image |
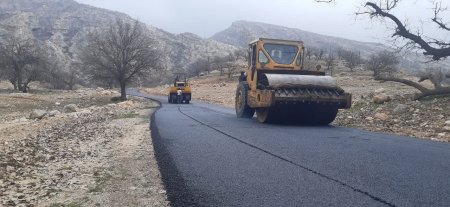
208	157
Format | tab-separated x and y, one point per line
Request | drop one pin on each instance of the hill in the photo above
64	24
240	33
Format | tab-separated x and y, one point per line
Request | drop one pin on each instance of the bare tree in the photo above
242	54
309	52
55	75
351	59
432	47
233	62
319	53
330	62
73	76
340	52
198	66
63	78
220	63
381	62
120	53
21	61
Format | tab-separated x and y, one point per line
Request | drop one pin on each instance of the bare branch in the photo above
402	31
438	9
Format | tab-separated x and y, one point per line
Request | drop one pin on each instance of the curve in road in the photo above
210	158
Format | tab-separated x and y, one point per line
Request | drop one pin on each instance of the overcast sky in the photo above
207	17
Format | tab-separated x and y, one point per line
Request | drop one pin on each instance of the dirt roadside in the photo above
401	115
99	154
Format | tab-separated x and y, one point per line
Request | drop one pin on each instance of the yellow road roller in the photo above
280	90
181	91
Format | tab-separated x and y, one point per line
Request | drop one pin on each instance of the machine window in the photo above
263	58
281	54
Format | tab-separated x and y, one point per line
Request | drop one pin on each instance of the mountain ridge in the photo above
241	32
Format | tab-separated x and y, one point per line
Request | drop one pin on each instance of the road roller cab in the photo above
279	89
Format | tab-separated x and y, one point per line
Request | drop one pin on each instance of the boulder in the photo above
447	128
400	109
381	116
70	108
369	118
38	114
53	113
381	98
447	123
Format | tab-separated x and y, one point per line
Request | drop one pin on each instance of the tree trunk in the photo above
123	92
14	82
25	88
20	82
424	92
404	81
437	91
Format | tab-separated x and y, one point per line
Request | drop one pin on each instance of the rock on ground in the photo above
70	108
38	114
91	159
381	98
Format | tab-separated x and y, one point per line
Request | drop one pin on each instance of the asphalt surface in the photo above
208	157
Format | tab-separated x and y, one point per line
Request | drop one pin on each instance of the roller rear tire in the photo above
243	110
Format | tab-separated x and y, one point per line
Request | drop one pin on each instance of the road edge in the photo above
176	189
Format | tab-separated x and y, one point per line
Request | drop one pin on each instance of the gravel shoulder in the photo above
401	115
99	155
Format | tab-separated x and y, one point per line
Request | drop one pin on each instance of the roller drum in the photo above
299	81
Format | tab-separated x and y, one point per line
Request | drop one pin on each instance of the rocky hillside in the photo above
240	33
63	24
